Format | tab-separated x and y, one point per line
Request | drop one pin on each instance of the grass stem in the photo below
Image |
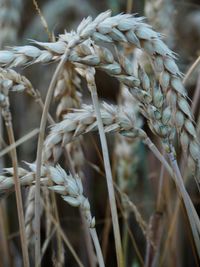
18	195
191	212
93	91
39	154
95	239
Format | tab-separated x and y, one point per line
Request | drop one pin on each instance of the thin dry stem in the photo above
39	153
109	179
191	212
95	239
18	197
190	71
196	96
65	239
20	141
5	255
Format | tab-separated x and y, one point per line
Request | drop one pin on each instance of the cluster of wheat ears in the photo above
161	98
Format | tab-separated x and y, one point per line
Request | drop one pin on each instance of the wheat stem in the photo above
39	153
158	155
65	239
196	96
95	239
93	91
20	141
5	253
18	196
191	212
191	69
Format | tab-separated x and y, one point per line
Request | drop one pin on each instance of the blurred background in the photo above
135	169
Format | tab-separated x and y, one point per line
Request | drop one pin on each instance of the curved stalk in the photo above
39	154
191	212
95	239
18	195
92	87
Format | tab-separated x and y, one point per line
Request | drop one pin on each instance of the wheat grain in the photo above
66	91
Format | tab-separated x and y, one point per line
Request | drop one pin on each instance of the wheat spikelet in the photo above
71	190
11	80
29	215
66	91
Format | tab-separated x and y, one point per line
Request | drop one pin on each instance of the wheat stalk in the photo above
6	114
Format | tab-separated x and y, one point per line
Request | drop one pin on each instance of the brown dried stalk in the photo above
4	102
39	154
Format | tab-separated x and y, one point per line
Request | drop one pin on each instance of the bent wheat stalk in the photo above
93	90
4	104
39	155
